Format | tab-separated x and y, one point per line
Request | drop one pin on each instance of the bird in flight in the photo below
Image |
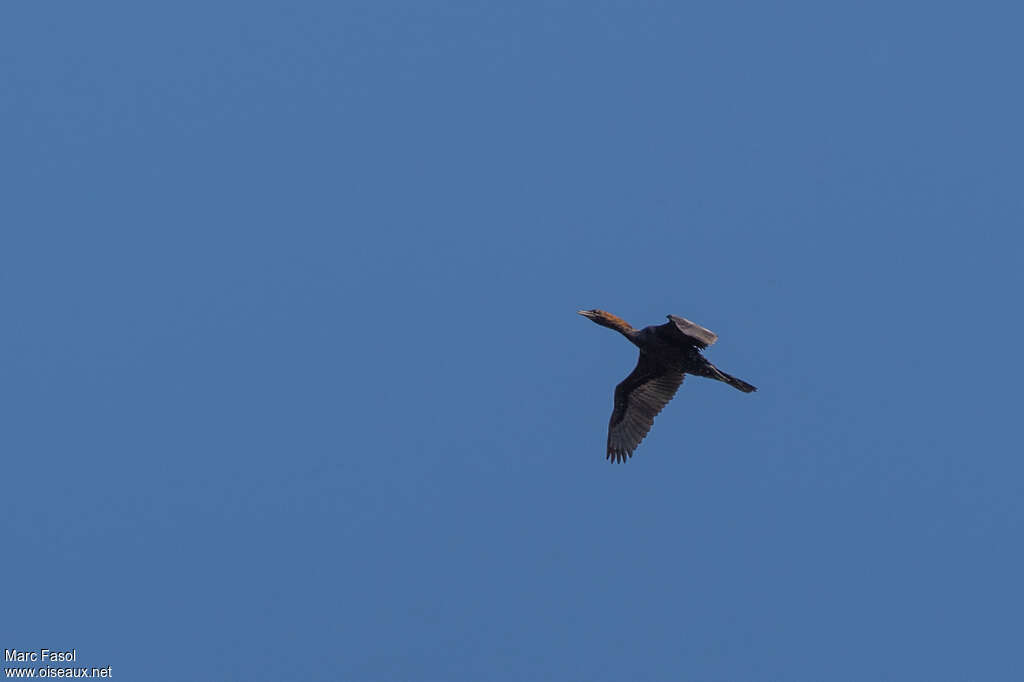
667	352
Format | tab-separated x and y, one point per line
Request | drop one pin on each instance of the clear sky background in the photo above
293	384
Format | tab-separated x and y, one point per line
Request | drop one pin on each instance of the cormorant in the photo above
667	352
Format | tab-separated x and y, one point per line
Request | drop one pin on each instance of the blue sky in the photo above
294	387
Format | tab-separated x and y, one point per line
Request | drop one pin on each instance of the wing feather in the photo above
638	400
698	334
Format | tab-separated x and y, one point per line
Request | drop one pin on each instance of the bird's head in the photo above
606	319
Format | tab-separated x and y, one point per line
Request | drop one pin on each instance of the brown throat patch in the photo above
615	320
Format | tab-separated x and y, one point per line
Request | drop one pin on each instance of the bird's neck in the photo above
618	324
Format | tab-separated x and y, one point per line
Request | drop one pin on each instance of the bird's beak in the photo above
584	313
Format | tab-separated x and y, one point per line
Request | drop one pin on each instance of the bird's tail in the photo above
738	384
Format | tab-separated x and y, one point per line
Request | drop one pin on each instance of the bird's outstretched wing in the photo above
638	399
697	334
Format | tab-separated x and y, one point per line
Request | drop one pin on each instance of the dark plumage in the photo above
667	353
